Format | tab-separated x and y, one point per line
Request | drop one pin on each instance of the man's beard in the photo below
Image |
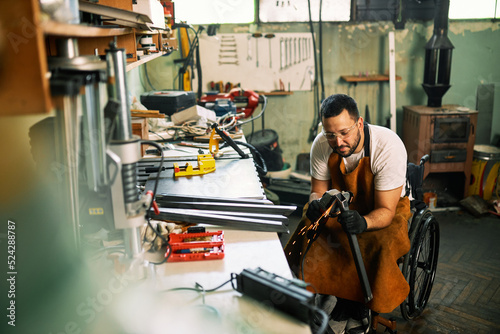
351	148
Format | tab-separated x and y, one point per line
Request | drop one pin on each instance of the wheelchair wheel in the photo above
419	265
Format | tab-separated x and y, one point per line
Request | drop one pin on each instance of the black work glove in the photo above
352	222
318	206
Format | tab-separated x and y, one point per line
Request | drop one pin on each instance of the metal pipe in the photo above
444	66
67	47
132	240
438	57
117	89
68	111
94	141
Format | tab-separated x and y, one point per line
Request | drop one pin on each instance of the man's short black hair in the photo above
336	103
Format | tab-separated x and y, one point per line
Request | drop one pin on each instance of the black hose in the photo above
312	131
260	164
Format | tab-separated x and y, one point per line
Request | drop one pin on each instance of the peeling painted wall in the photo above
362	49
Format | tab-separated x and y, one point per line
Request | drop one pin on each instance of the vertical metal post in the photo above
117	89
68	112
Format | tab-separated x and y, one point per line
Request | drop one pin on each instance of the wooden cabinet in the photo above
24	86
26	41
446	133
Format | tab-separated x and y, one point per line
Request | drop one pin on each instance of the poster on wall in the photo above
262	62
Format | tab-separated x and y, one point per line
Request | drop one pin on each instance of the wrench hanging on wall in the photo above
249	48
281	54
269	37
257	35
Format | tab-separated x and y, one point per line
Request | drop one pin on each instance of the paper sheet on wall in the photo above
283	62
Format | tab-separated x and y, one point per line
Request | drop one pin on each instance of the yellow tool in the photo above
206	164
213	144
185	47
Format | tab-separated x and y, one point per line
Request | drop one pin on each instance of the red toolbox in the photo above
196	246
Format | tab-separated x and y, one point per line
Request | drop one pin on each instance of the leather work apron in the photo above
329	265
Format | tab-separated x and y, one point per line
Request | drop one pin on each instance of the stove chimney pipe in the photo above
438	52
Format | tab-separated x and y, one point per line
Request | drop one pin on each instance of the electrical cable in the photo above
262	167
197	287
168	248
320	37
198	71
147	76
323	318
148	212
159	148
227	126
155	133
188	128
312	131
263	109
189	56
253	130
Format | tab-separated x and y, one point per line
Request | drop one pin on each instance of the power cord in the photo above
148	212
200	289
191	128
263	109
259	161
318	318
319	314
159	148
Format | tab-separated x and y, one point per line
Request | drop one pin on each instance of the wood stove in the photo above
446	133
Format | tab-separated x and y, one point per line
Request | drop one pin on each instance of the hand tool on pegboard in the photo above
257	35
269	37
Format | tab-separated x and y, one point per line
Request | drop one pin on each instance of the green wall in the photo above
363	48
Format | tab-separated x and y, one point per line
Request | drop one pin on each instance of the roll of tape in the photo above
147	40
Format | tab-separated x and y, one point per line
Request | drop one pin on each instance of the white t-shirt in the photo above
388	158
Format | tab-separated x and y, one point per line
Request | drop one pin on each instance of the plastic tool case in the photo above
168	102
196	246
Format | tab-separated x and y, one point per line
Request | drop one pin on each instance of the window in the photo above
215	11
298	11
479	9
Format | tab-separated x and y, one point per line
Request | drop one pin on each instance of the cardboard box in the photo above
193	113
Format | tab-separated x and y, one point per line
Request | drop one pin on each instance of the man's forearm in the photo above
378	219
314	196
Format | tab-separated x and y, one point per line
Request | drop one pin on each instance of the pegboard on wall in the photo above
271	62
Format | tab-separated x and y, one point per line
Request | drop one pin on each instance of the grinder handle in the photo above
229	140
358	259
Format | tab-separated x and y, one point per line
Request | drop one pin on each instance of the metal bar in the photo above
195	217
358	259
117	89
392	80
273	217
227	206
195	199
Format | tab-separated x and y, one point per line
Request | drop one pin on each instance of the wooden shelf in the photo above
275	93
369	78
27	55
143	60
52	28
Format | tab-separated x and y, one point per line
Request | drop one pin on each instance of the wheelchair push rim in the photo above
419	266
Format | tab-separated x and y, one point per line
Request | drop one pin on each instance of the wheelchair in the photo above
419	264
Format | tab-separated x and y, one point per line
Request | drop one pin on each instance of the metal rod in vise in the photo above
356	254
229	140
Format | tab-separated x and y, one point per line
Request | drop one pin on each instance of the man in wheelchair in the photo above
370	162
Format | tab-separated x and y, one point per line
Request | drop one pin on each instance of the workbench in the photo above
225	310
